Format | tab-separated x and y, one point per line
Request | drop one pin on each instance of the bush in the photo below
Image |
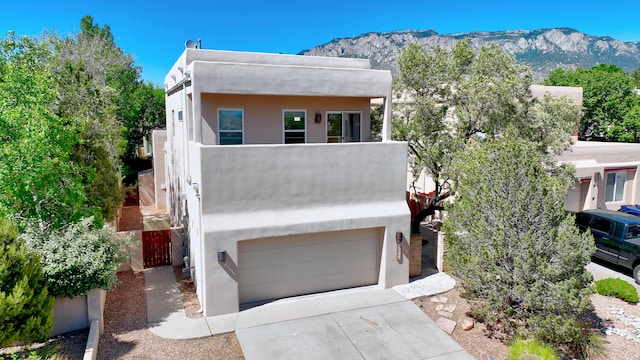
515	250
26	308
540	351
79	258
618	288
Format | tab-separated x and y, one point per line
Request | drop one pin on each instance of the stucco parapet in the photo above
276	79
191	55
266	223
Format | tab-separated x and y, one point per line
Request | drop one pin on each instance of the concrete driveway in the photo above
360	324
601	270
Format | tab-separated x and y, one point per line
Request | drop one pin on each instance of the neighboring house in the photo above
272	173
424	184
608	175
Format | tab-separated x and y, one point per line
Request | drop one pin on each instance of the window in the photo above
601	224
230	126
614	190
295	126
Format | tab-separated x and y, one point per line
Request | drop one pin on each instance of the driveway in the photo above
601	270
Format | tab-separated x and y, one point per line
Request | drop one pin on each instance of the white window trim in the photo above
615	184
284	131
218	120
326	122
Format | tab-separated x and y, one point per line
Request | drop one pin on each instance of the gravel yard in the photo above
126	335
612	316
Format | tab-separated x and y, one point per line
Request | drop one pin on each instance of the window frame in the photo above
220	131
341	137
284	125
614	189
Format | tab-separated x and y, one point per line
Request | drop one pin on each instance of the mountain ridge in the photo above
542	49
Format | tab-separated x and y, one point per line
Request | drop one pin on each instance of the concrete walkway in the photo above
363	323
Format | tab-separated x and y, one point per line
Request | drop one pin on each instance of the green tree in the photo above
607	97
454	96
636	78
101	88
26	308
629	129
515	250
79	257
39	181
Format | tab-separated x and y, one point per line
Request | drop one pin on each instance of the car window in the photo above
582	220
632	232
619	230
601	224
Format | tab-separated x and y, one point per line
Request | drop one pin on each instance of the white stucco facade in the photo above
331	209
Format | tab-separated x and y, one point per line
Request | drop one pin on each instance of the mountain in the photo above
543	50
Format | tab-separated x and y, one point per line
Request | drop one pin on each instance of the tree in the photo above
454	96
39	182
79	257
607	97
101	88
636	78
26	308
516	251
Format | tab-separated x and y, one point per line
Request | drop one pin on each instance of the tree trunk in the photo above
415	223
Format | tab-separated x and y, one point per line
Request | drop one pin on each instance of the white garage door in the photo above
285	266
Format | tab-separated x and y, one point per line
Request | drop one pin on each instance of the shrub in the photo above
520	348
515	250
79	258
26	308
618	288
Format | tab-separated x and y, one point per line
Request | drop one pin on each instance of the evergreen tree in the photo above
515	250
26	309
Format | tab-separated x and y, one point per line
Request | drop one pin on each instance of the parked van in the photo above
616	235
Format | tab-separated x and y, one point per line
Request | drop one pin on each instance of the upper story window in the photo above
295	126
614	190
230	126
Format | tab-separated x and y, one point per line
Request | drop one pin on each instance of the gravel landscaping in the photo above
617	321
126	335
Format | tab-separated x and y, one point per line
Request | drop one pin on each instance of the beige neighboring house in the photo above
424	183
608	175
271	172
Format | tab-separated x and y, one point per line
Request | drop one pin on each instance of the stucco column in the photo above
386	119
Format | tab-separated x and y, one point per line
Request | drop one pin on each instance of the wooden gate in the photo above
156	248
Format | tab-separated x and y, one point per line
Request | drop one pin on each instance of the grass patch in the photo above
617	288
521	349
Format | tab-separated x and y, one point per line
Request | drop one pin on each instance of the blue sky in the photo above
154	31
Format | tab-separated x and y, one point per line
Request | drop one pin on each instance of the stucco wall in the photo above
159	138
257	191
263	115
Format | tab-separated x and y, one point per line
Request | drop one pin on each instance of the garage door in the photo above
285	266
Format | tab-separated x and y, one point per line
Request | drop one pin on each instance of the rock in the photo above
435	299
467	324
450	308
445	314
439	307
445	324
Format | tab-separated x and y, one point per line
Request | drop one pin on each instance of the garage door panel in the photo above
308	239
306	253
331	266
301	264
259	292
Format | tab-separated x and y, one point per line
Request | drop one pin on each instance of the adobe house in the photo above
608	175
272	173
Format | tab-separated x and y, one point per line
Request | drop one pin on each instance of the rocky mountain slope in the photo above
543	49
